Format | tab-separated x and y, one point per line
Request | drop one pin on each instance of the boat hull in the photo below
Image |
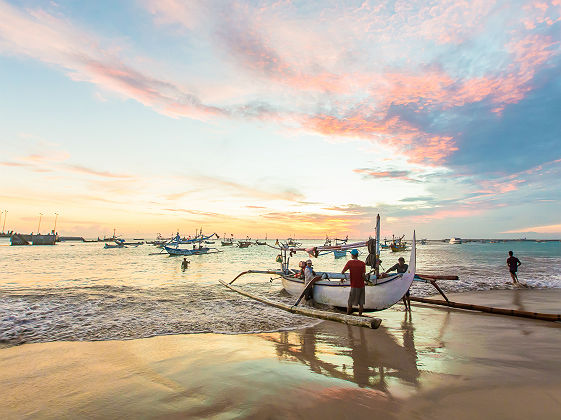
340	254
183	251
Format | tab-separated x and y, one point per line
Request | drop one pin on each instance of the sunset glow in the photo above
281	117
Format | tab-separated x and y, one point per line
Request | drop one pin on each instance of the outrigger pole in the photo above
489	309
365	322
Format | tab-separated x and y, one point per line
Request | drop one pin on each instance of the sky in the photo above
281	118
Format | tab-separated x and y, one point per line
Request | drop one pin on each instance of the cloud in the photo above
89	171
55	41
537	229
195	212
246	191
394	174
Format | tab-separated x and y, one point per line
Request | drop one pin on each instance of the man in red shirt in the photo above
358	275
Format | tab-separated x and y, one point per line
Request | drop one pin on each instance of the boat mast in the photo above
39	227
377	262
54	229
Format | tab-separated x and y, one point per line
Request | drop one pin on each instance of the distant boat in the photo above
293	242
38	239
119	243
173	247
456	240
398	244
340	253
245	243
228	241
186	251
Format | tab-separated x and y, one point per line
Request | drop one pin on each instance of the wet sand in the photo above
435	363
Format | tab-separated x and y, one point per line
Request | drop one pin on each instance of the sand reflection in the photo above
367	358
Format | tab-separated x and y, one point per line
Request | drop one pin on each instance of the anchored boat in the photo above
174	247
333	288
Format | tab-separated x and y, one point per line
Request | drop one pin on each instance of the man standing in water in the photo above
513	264
357	273
185	264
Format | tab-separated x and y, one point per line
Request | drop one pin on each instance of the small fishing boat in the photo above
340	253
398	245
293	242
132	243
228	241
209	242
177	245
176	250
264	242
119	243
385	245
245	243
455	241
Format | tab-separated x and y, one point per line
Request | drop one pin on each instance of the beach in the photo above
433	363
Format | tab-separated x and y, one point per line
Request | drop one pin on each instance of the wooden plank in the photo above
490	309
365	322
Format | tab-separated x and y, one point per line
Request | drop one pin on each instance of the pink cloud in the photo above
402	175
55	41
450	213
538	229
419	146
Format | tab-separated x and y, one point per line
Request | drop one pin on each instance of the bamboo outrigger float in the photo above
368	322
489	309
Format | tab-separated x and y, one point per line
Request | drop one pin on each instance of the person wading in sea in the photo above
358	275
185	264
513	264
401	267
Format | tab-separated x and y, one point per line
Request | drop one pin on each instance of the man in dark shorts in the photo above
401	267
358	274
513	264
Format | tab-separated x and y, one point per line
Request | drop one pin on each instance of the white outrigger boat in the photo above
333	288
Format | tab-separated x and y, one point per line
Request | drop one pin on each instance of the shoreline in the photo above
429	364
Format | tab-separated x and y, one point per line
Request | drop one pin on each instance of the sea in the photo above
75	291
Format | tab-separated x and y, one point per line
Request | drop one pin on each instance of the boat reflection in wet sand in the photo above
376	358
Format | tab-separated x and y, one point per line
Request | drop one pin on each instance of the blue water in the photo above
81	291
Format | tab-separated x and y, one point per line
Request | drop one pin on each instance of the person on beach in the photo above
513	264
309	276
357	270
401	267
185	264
